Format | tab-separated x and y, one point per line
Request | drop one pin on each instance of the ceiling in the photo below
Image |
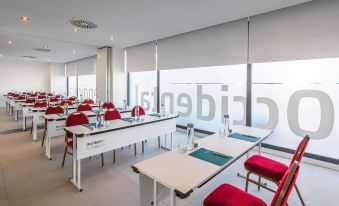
130	22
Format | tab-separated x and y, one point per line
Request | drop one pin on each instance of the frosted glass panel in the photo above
202	95
87	87
143	90
296	98
72	86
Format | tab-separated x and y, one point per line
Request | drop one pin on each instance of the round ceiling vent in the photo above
29	57
83	24
42	49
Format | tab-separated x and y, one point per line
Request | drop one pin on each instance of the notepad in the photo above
155	115
211	157
93	125
128	119
244	137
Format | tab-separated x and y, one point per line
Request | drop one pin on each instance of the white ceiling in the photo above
131	22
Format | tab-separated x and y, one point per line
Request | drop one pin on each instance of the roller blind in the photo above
306	31
141	57
223	44
86	66
70	69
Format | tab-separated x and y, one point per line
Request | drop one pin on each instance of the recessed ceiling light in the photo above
111	37
9	42
24	18
0	55
73	51
75	29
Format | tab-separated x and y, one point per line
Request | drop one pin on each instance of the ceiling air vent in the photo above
42	49
83	24
29	57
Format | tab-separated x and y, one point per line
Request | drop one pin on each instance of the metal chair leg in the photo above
299	194
32	127
43	138
143	146
259	182
102	160
113	156
63	160
247	178
135	149
159	142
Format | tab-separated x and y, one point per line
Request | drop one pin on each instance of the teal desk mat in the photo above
128	119
211	157
93	125
244	137
155	115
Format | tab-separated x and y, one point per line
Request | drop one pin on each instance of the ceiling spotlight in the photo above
24	18
75	29
73	51
111	38
10	42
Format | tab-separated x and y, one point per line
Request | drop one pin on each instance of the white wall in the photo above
58	79
119	76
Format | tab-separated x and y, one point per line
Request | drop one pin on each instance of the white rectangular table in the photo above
56	124
179	174
26	113
120	133
16	104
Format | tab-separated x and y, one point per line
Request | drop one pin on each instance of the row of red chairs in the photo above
284	176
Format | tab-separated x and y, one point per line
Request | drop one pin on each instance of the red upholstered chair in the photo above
74	119
141	111
30	100
40	96
21	97
63	102
51	110
43	93
88	101
50	94
84	107
112	114
58	96
108	105
72	98
228	195
37	105
272	170
53	99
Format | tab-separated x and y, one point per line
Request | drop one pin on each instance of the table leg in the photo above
48	145
165	147
35	130
155	194
76	178
173	198
146	190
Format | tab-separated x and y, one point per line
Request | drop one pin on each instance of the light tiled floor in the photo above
28	178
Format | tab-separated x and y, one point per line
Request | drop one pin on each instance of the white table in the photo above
26	113
179	174
16	104
56	124
120	133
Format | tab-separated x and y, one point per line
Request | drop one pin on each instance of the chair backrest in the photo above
41	96
141	111
72	98
84	107
42	93
40	104
15	95
286	185
22	97
30	100
50	94
75	118
88	101
63	102
58	96
112	114
108	105
54	110
299	153
53	99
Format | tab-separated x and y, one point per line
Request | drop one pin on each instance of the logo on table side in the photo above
95	144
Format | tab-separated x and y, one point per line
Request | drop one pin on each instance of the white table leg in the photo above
146	190
173	198
155	194
35	125
48	144
76	167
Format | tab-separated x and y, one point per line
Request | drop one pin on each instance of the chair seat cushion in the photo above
228	195
70	143
266	167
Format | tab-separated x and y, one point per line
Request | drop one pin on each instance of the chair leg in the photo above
135	149
102	160
299	194
159	142
113	156
247	180
63	160
143	146
43	138
32	127
259	182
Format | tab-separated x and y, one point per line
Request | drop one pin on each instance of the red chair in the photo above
141	111
51	110
76	118
50	94
73	98
30	100
63	102
84	107
228	195
40	96
272	170
113	114
21	97
108	105
37	105
42	93
88	101
59	96
53	99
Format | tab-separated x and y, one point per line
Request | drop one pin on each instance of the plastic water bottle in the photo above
227	129
137	113
190	136
125	104
162	110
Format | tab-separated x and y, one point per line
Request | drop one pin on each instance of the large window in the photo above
143	90
203	95
296	98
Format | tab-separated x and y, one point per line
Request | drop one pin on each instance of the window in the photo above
296	98
87	86
203	95
143	90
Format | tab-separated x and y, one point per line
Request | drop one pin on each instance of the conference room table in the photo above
119	133
56	124
179	174
15	106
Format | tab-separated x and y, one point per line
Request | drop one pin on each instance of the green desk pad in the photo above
211	157
128	119
93	125
155	115
244	137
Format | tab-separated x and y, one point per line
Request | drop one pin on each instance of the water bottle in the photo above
98	119
162	110
137	114
227	124
190	136
125	104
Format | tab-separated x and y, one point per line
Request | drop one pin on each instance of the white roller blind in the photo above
223	44
70	69
141	57
86	66
306	31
